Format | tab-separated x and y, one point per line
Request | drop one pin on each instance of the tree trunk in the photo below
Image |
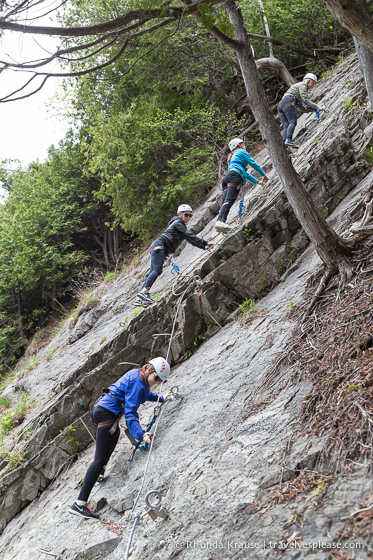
111	246
329	246
17	297
117	242
266	27
352	17
103	246
365	56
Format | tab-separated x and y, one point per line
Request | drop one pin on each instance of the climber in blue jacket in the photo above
122	397
236	178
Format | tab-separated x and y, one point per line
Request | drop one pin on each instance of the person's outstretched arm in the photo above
190	237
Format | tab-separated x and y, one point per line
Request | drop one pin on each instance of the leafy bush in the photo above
17	414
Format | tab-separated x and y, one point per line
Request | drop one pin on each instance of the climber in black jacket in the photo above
167	243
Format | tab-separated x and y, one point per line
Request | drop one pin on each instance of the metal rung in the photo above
153	500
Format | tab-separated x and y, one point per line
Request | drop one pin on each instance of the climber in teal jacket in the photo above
240	161
236	177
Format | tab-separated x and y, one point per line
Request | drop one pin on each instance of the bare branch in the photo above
278	66
60	74
10	97
174	12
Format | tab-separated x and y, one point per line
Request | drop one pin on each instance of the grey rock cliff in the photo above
220	447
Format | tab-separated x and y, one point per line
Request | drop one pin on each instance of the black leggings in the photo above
105	445
231	184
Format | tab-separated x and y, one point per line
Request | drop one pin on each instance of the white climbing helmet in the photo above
161	367
234	143
310	77
184	208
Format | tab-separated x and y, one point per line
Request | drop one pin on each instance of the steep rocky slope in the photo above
220	448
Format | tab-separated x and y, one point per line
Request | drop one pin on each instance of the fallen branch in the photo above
356	512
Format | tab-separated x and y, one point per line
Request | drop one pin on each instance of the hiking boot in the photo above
101	476
222	226
83	511
141	303
290	143
144	295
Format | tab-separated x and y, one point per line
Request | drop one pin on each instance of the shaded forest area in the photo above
149	131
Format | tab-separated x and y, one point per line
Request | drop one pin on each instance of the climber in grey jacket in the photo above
167	243
296	96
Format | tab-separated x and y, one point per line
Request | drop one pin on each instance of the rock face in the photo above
220	447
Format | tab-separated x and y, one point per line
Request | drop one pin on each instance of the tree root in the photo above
320	290
364	226
350	237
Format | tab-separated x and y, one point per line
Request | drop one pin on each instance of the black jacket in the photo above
177	232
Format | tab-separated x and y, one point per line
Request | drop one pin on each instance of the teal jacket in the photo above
240	160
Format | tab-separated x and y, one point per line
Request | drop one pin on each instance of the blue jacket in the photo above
130	390
240	160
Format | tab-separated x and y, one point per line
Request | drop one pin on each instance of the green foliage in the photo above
31	364
248	309
248	306
109	276
24	402
350	85
151	128
369	156
72	442
318	489
38	221
290	305
135	312
17	414
50	352
318	138
90	347
14	459
325	212
7	380
261	285
350	104
292	251
247	233
6	423
307	24
86	300
148	159
354	386
5	402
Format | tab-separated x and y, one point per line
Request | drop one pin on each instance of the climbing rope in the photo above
156	419
194	279
143	446
240	208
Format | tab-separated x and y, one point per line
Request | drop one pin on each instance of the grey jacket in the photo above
300	93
